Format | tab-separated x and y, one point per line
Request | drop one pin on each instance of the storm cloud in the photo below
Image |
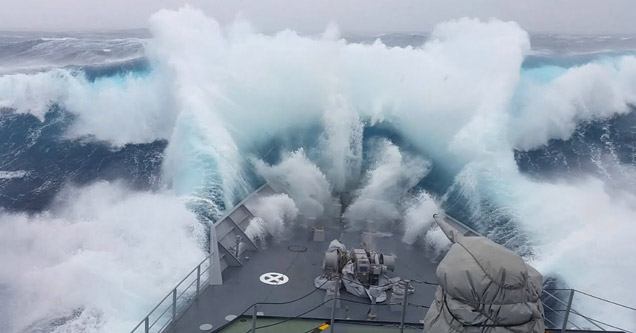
367	16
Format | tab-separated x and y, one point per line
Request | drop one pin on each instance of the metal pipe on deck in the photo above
567	312
254	314
405	283
174	304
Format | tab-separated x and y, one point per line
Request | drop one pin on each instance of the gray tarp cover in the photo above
485	287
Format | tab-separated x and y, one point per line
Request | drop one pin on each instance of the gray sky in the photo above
565	16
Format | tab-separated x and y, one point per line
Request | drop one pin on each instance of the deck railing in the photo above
173	304
357	310
564	311
563	307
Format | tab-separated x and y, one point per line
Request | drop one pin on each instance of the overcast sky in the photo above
565	16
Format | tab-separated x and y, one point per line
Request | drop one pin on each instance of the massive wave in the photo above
528	148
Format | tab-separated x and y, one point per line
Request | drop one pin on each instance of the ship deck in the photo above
297	305
300	258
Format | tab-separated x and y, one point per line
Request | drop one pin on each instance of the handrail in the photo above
197	272
588	319
598	321
605	300
194	269
590	295
159	317
561	315
570	310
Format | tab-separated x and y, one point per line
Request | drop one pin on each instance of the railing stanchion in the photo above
567	311
336	288
198	280
406	283
174	304
146	321
237	247
254	318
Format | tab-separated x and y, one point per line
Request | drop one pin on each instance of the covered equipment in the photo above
484	287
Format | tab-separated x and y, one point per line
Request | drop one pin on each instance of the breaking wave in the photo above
455	123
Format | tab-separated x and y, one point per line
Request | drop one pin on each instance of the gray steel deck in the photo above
307	325
241	286
300	258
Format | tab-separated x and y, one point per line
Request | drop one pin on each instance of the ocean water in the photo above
118	149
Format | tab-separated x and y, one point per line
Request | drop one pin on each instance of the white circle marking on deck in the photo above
230	317
274	279
206	327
